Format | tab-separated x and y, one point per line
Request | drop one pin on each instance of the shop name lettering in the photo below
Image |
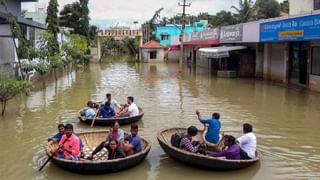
228	34
293	24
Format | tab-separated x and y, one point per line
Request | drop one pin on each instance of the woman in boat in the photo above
233	149
114	150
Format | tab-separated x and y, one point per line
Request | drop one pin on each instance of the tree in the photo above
244	11
53	26
284	6
267	9
84	19
222	18
149	26
76	16
9	88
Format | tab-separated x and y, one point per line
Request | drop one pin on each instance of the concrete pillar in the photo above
98	48
266	61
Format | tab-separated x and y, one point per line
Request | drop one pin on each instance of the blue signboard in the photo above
295	29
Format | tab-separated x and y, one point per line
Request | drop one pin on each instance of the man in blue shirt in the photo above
58	136
134	141
106	111
214	125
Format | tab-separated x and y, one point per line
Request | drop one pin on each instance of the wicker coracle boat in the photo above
100	164
199	160
109	121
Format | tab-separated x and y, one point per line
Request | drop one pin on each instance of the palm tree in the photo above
245	12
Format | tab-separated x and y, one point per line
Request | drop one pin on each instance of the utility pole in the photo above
181	58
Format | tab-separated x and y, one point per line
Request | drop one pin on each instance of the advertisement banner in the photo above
295	29
231	34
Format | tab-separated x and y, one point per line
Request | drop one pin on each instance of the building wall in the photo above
251	32
145	55
173	56
314	80
14	6
277	62
259	60
7	50
300	6
174	30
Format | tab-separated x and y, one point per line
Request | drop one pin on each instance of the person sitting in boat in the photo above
247	142
134	141
114	150
88	112
131	111
213	124
233	149
57	137
69	144
106	111
113	103
186	142
115	133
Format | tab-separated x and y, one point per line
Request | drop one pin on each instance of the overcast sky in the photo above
105	13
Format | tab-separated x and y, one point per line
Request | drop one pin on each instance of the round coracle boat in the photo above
99	121
199	160
100	164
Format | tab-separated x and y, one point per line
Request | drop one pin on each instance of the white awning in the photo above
219	52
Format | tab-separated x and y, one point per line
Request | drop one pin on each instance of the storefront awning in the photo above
219	52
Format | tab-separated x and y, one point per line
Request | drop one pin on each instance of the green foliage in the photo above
9	88
244	11
76	48
42	68
76	16
284	6
222	18
267	9
56	61
53	26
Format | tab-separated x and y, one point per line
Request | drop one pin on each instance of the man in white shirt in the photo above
113	103
132	109
248	143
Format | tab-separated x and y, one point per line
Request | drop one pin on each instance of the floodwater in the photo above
286	121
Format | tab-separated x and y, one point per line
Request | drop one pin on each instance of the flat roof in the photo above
26	22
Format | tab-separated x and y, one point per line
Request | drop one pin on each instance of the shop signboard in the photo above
231	34
295	29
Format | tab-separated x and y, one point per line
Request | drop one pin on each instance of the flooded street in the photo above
286	121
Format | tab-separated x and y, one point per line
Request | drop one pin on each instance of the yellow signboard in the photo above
288	34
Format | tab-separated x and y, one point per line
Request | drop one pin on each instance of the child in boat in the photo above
233	149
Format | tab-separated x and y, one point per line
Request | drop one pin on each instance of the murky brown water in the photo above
286	121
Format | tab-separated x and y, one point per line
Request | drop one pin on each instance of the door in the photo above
298	63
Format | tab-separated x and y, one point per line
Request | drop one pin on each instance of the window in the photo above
316	4
164	37
315	64
153	55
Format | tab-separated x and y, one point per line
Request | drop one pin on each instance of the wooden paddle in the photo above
95	117
45	163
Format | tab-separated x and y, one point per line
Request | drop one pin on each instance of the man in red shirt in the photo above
70	144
